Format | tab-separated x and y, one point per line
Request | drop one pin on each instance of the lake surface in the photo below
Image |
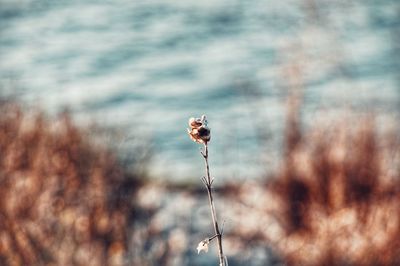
147	66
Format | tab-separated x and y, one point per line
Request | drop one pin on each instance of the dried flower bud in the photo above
203	245
199	131
195	122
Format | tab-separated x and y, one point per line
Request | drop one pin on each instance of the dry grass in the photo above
336	200
64	201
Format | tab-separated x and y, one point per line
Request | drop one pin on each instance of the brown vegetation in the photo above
339	194
64	200
335	199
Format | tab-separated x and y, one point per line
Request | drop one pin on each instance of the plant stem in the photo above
208	184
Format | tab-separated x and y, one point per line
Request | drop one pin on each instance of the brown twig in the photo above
208	184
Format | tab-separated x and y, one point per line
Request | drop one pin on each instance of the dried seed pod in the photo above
199	131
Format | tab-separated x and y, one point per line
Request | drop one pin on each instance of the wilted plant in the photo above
200	133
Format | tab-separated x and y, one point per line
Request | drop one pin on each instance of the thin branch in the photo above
212	238
204	180
222	227
208	186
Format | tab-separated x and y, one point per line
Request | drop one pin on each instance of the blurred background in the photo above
92	88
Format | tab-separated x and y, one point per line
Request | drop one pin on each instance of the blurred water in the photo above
147	66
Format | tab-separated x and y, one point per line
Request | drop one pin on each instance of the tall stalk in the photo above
199	132
208	184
